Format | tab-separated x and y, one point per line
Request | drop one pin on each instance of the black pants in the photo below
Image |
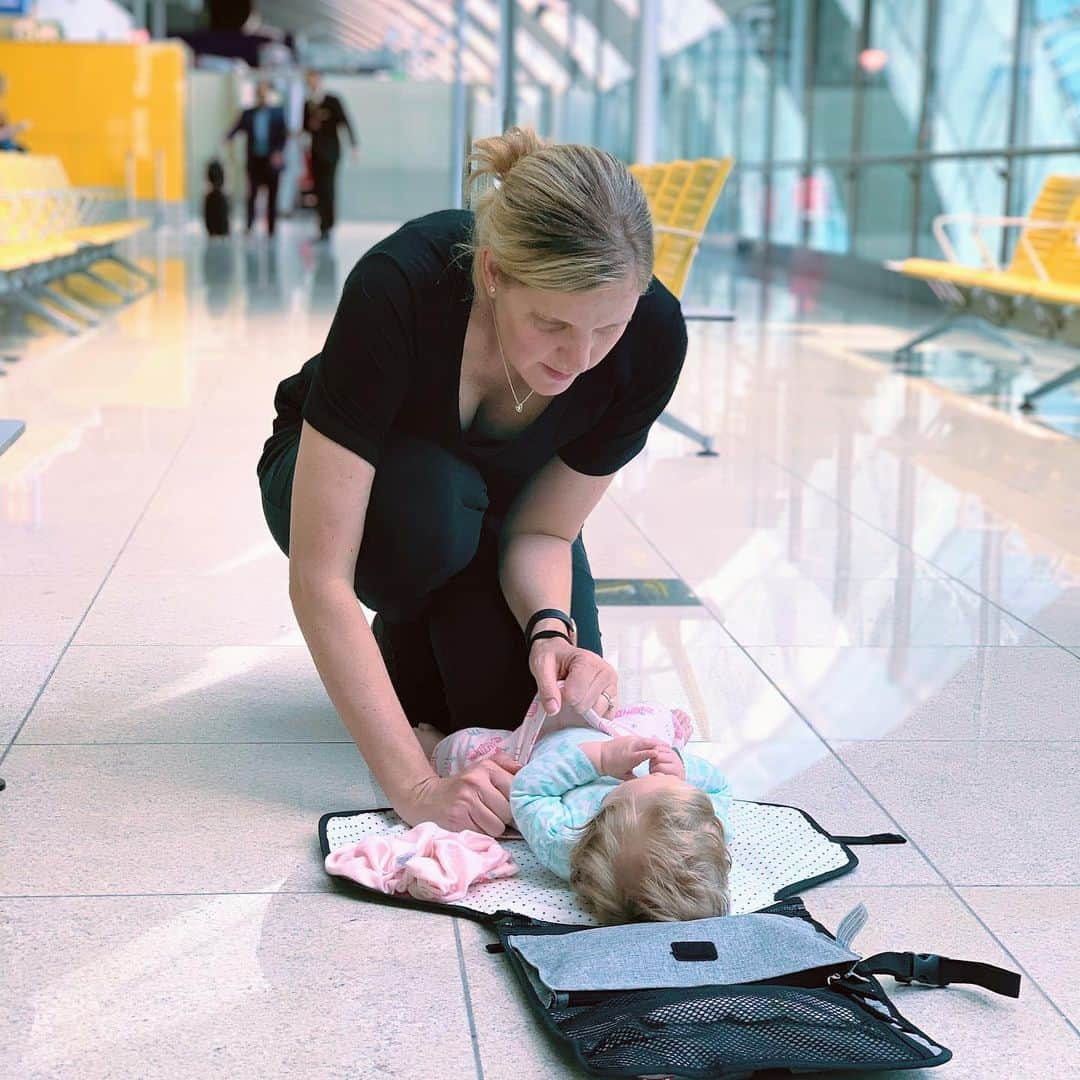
428	564
262	174
324	171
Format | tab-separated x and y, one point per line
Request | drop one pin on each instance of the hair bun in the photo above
494	157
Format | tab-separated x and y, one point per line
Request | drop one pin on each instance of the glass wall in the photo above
854	124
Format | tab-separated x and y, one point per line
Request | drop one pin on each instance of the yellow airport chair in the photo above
48	231
679	234
682	196
1038	291
650	177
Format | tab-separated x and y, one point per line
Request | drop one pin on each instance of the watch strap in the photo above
551	613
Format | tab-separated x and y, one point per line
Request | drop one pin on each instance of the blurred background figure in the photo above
235	30
8	131
266	131
323	115
216	202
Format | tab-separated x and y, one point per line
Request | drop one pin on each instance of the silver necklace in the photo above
519	405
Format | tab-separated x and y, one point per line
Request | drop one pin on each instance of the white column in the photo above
647	89
504	93
457	107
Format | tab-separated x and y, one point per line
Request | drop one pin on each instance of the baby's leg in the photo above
429	737
463	749
672	726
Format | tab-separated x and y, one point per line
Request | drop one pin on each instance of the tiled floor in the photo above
889	637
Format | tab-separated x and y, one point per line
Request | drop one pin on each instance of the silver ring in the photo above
609	699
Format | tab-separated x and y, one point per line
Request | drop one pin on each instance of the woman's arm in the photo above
331	489
535	573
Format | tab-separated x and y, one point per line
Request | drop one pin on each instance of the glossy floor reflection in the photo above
888	635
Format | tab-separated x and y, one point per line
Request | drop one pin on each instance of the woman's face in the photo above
551	338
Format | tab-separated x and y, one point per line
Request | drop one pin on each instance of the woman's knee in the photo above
422	527
275	483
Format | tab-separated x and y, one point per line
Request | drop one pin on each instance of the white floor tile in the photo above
985	813
43	609
23	671
1040	927
960	692
265	984
162	819
245	604
183	694
848	612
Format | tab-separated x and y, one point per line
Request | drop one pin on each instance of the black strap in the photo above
542	635
548	613
931	970
873	838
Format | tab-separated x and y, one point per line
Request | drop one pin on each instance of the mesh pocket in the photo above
716	1032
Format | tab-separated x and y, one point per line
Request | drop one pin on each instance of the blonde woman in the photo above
486	374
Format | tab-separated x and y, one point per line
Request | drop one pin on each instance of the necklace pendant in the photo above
520	407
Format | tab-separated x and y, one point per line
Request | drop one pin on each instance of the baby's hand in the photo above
664	760
620	757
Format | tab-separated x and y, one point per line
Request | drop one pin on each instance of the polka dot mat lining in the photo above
772	847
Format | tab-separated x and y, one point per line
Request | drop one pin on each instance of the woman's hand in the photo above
477	799
591	682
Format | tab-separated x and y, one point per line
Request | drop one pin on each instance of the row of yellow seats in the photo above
1046	262
43	218
681	195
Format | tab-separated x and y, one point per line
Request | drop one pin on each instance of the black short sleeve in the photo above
656	352
363	374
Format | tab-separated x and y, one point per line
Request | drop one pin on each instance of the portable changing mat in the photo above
813	1005
776	852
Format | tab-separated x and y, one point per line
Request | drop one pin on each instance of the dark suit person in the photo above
264	126
323	115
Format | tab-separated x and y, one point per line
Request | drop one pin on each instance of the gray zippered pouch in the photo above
706	952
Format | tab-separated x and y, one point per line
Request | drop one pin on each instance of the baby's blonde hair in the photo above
560	217
677	870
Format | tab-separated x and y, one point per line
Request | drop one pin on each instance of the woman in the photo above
483	379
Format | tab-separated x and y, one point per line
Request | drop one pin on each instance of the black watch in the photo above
552	613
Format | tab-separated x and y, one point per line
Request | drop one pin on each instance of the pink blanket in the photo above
427	862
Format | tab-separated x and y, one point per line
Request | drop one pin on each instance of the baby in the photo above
631	821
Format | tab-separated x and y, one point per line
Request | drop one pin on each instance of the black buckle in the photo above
926	969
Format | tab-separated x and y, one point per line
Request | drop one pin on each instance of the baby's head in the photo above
655	852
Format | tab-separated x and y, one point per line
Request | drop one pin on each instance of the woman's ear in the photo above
489	269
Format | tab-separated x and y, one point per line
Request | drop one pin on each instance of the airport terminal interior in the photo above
850	549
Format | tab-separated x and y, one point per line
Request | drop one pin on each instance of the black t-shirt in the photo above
392	363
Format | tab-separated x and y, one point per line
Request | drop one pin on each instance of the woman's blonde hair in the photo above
558	217
675	869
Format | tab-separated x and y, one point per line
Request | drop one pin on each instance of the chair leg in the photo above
122	291
942	326
669	420
43	311
132	268
1064	379
72	306
962	321
10	430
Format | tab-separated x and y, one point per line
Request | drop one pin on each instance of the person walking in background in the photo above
323	115
9	131
264	126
